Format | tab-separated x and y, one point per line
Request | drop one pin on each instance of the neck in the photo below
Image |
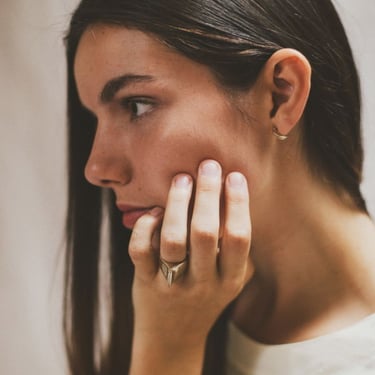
314	259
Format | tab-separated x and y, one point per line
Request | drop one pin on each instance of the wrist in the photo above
160	356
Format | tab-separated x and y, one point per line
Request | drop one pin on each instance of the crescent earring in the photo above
277	134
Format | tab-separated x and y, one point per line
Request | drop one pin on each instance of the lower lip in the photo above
130	218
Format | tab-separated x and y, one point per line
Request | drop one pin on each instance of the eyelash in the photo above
129	103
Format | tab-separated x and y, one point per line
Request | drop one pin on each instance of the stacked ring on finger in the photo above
172	270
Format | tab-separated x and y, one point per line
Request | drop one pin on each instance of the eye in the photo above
138	107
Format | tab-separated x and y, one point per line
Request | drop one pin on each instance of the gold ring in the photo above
172	270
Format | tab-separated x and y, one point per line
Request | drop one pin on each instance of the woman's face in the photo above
158	114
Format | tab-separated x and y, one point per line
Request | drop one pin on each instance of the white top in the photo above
349	351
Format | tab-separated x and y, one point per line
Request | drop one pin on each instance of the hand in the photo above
177	319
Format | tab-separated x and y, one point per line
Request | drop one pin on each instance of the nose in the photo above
107	165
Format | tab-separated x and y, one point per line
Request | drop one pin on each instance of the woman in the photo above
224	137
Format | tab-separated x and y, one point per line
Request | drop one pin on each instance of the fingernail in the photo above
182	181
210	168
156	211
236	180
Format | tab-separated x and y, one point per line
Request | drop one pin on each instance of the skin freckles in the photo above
190	118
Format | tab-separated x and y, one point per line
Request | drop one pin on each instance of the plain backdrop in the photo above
33	177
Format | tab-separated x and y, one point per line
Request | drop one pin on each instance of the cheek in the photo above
180	149
206	133
173	154
178	140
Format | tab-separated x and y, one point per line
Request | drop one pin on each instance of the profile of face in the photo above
159	114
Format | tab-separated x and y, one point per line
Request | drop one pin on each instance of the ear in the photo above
287	78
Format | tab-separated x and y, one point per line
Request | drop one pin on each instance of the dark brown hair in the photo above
234	38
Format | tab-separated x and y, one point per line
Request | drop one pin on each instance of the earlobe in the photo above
289	75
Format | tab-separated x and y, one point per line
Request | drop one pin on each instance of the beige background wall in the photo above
32	199
32	171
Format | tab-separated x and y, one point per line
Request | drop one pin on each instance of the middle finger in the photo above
206	221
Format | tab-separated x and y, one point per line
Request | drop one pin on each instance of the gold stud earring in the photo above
277	134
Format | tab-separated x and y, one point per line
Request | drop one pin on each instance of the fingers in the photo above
201	236
175	224
235	244
140	245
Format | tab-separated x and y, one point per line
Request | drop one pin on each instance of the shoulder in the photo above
350	350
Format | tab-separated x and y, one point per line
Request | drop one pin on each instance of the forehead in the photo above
106	51
114	45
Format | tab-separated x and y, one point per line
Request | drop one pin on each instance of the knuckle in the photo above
237	199
172	243
179	195
137	252
172	239
205	232
239	236
139	247
178	198
145	221
207	187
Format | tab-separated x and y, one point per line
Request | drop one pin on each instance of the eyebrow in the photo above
116	84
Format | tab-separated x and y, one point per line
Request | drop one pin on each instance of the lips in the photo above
131	214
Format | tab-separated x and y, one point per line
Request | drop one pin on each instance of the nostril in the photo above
107	171
117	180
